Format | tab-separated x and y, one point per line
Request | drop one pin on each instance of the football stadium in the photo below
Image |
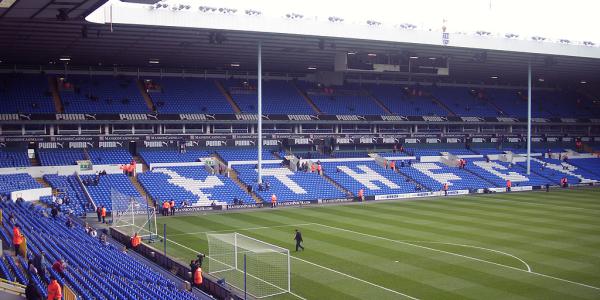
205	149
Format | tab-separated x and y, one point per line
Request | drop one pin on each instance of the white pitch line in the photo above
475	247
460	255
355	278
188	248
240	229
323	267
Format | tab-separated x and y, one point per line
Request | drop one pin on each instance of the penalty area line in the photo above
240	229
460	255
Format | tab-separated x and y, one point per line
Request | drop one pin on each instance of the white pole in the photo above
529	118
235	252
289	272
259	112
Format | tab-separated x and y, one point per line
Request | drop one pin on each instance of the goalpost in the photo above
133	215
258	268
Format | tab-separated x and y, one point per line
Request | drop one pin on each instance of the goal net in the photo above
133	215
259	268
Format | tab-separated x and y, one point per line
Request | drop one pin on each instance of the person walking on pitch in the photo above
298	239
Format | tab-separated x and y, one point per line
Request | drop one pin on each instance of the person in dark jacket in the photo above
298	239
31	293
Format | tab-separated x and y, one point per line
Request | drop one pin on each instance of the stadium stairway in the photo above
58	105
405	174
147	98
443	105
233	175
141	190
476	174
378	102
337	185
34	162
308	100
234	106
42	182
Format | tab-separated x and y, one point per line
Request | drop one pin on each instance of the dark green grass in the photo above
419	247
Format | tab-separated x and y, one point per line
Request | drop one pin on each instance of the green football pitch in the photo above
532	245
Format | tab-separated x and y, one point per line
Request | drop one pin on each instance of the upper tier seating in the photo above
95	270
514	105
171	155
103	94
279	97
109	156
112	186
71	187
11	158
344	100
25	93
189	95
192	184
396	100
462	103
60	157
17	182
369	176
434	175
245	154
288	185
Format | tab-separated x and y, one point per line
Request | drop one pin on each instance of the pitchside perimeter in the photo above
427	249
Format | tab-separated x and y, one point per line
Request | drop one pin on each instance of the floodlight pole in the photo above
529	118
259	78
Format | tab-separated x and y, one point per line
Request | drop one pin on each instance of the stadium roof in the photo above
39	33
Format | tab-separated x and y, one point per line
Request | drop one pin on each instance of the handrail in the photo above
85	191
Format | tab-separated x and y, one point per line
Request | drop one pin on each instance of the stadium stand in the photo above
462	102
107	156
369	176
69	186
25	93
17	182
102	94
192	184
348	99
554	170
95	270
398	102
172	156
244	154
189	95
60	157
11	158
498	172
108	186
432	175
287	185
279	97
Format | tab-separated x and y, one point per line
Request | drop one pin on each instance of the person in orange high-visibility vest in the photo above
273	201
17	238
136	240
198	277
103	214
361	195
393	165
508	185
312	168
445	189
165	208
320	169
54	289
172	207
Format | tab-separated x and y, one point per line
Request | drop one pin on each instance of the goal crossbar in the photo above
257	267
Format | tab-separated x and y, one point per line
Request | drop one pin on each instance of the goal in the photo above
258	268
133	215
